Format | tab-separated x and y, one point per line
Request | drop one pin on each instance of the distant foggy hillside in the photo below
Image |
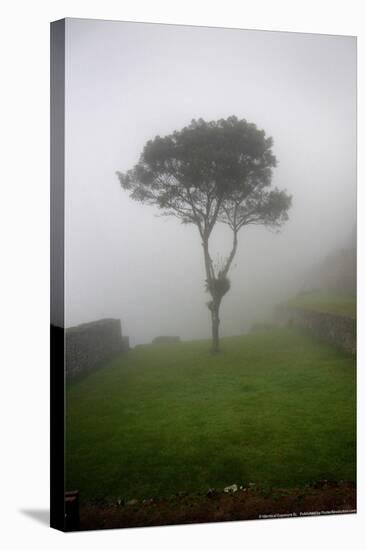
337	272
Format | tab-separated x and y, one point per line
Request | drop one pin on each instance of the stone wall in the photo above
166	340
88	345
335	329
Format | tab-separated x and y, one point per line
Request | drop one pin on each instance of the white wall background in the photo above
24	274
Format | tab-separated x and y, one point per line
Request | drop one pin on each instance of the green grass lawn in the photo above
326	301
275	409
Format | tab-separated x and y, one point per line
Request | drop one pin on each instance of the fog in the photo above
127	83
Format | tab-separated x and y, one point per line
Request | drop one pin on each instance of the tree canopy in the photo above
208	172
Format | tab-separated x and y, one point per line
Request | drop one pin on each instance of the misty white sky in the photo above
127	83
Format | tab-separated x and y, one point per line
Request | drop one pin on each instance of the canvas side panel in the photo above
57	459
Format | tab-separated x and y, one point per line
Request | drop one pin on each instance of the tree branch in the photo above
231	256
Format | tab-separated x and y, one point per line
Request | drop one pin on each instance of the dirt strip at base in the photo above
321	498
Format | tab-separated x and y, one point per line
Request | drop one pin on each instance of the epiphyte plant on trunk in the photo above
208	173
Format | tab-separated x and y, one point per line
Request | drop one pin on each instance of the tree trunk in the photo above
215	329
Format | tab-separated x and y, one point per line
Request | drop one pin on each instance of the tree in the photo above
209	173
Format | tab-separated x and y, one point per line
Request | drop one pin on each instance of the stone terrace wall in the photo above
166	340
90	344
336	329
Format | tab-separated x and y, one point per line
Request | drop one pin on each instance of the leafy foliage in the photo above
218	286
210	171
